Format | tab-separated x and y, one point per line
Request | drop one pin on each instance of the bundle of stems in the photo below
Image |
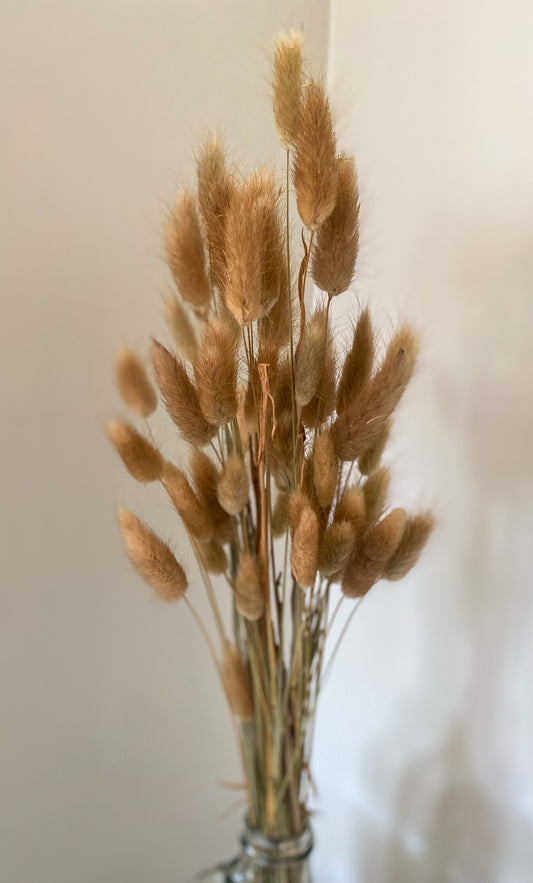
284	494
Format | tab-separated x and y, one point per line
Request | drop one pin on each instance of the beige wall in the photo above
426	732
113	732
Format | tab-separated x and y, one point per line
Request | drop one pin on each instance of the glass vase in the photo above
266	860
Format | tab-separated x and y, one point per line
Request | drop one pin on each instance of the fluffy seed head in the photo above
233	485
315	164
335	548
280	514
213	556
361	425
205	476
351	507
322	405
370	460
337	243
133	383
215	370
181	327
310	358
215	192
142	460
181	397
384	538
237	684
325	468
185	253
304	549
287	85
248	593
375	490
151	557
195	516
357	367
415	536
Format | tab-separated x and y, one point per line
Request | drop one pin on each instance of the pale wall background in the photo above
113	731
425	736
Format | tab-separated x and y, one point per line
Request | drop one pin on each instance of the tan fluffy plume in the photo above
304	549
151	557
215	192
233	485
185	253
142	460
287	85
310	357
181	397
357	367
315	163
337	243
133	383
325	468
195	516
237	684
181	328
361	424
415	536
215	371
248	593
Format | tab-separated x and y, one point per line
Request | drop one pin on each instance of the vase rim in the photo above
269	851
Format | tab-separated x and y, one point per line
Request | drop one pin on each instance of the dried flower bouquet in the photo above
284	493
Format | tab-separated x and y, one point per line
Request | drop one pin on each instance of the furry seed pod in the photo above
304	549
233	485
287	85
375	490
133	383
370	460
309	362
351	507
280	514
205	476
325	468
180	397
275	327
357	367
181	328
215	370
322	405
369	560
213	557
255	249
396	370
236	680
273	256
361	424
355	585
384	538
195	516
297	503
185	254
335	548
215	191
415	536
315	162
337	244
242	290
248	593
151	557
142	460
281	448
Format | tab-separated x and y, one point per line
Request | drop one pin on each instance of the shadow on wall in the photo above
463	811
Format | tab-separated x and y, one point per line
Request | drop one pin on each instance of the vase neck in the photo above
266	851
